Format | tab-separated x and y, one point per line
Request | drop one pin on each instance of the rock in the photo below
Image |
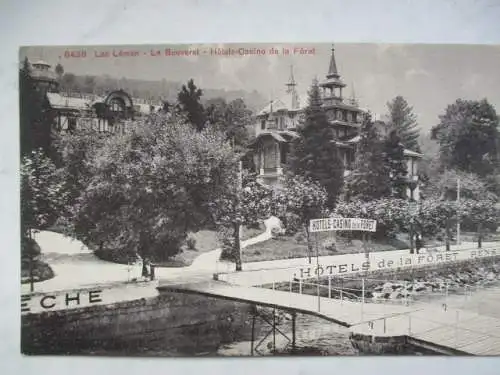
491	276
378	295
395	295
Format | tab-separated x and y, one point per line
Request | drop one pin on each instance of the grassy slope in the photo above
287	247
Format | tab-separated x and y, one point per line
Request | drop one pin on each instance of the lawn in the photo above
206	240
286	247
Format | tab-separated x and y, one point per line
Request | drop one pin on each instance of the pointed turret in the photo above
332	71
333	84
291	90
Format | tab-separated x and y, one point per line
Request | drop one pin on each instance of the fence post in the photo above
329	286
446	294
384	325
300	286
405	299
409	324
363	290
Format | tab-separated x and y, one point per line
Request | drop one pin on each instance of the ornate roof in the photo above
333	77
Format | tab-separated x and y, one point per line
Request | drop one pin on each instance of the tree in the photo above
404	121
59	71
150	186
236	206
68	82
301	200
89	84
468	137
189	100
42	199
395	161
74	155
315	154
370	178
232	118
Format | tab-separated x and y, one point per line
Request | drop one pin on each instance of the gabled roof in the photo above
282	136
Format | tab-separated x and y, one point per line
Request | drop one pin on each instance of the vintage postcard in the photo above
260	199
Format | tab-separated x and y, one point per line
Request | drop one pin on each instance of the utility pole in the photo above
458	210
236	225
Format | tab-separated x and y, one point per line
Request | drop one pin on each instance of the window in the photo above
349	116
262	124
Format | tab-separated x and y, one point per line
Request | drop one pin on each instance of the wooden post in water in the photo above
274	330
294	316
253	330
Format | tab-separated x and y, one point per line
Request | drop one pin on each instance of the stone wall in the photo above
171	324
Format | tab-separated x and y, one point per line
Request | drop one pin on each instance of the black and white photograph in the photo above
268	199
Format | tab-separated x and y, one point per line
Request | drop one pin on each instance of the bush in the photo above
292	223
300	238
191	243
330	245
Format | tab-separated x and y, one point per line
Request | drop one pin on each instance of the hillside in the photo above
153	90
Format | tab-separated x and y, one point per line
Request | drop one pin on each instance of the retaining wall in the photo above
170	324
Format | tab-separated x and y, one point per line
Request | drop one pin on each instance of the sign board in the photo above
342	223
37	303
351	264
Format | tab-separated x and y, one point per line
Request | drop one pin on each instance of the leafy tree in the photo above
42	192
370	178
189	99
315	154
89	84
75	151
395	161
232	118
404	121
468	136
237	206
150	186
68	82
302	200
42	199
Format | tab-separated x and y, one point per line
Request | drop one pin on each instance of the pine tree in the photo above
395	162
190	102
404	121
315	155
370	178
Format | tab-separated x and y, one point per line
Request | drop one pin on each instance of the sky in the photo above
428	76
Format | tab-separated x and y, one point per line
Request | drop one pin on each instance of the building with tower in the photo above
276	126
69	111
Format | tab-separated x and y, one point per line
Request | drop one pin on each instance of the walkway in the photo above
453	331
76	266
345	313
450	331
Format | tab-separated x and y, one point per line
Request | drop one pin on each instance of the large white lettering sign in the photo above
355	263
38	303
81	298
343	223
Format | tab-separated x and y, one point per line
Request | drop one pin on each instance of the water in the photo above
314	336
